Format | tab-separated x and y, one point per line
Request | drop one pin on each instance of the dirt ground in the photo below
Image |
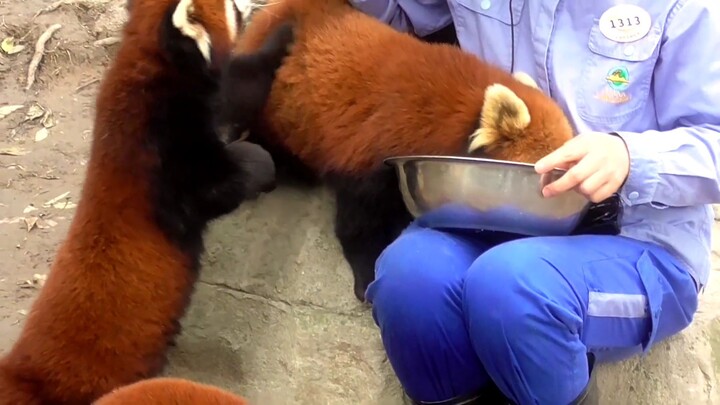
44	139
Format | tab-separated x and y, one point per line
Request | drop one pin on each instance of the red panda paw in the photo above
256	166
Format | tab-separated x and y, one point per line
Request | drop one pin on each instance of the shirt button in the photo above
485	4
629	50
634	195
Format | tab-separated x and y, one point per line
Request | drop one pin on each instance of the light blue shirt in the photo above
667	110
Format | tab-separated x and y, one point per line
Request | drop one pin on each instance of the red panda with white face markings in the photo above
157	174
354	91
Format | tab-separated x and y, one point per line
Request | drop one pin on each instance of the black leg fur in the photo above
198	178
248	78
370	214
290	169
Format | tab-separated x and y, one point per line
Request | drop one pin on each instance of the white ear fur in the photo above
503	115
181	21
246	7
525	79
231	19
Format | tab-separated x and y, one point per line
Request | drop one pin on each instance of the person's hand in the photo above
597	165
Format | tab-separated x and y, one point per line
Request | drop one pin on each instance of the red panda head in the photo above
212	24
521	125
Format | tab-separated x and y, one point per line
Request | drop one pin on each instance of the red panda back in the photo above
354	91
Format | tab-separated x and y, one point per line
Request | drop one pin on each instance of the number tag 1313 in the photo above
625	23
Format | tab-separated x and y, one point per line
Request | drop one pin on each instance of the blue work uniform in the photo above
457	310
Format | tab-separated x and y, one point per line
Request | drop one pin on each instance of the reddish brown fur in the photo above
102	319
355	91
170	391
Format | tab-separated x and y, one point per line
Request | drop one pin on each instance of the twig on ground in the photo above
107	41
82	86
54	6
39	52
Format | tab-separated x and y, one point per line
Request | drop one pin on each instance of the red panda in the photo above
354	91
169	391
157	174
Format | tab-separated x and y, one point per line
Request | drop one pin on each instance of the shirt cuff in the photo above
643	178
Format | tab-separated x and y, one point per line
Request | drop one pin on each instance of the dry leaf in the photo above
46	224
29	209
13	220
9	47
48	120
34	112
13	151
40	279
30	222
41	134
9	109
59	198
64	205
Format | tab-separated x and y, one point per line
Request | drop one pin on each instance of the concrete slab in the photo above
274	318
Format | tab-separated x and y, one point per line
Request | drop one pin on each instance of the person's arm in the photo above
423	17
680	164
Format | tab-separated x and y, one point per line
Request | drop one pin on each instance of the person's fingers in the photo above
604	192
571	151
594	182
574	176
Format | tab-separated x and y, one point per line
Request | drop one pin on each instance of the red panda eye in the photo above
193	18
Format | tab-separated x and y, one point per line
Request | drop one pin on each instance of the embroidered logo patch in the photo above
618	80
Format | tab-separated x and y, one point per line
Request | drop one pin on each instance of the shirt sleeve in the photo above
678	165
423	17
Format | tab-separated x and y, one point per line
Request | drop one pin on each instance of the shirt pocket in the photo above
484	28
616	76
493	9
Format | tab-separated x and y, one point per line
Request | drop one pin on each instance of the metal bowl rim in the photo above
457	159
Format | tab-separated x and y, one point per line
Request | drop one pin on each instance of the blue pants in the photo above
457	310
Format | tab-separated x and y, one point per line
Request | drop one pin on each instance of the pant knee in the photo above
515	287
419	274
417	303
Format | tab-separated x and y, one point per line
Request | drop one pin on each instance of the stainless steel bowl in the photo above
474	193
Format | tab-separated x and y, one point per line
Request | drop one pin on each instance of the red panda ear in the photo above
183	19
245	8
525	79
504	115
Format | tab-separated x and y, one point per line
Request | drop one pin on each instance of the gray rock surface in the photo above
274	318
